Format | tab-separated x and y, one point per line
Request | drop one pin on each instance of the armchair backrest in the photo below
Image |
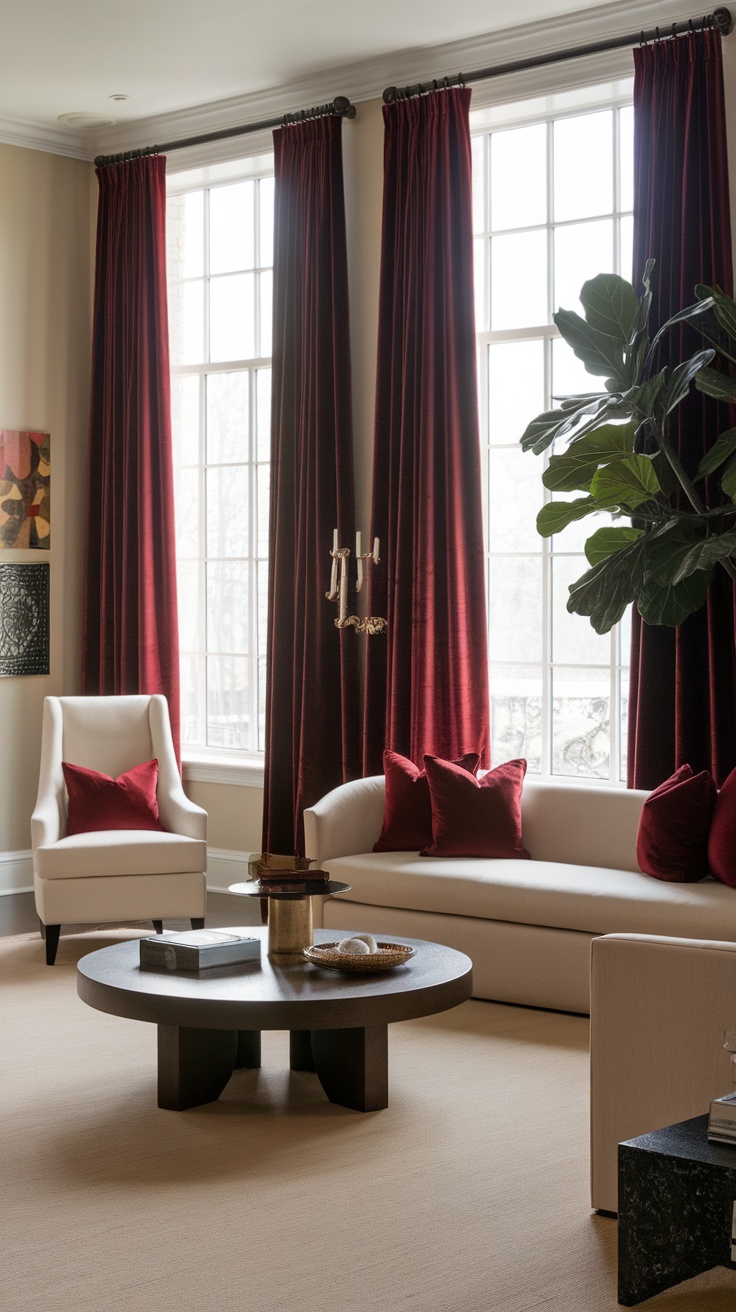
109	734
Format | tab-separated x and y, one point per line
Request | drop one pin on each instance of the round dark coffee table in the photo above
210	1024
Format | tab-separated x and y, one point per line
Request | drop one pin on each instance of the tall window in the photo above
553	206
220	250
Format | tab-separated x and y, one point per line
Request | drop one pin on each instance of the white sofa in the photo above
527	925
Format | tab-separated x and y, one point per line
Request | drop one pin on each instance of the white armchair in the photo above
112	875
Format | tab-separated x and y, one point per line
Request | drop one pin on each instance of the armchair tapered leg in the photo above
158	926
197	922
52	942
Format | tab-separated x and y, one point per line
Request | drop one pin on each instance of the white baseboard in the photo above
16	872
223	868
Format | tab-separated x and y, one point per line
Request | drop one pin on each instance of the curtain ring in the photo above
461	79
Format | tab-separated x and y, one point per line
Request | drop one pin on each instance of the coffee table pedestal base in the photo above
194	1065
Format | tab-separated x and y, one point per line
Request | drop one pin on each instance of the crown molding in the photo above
363	80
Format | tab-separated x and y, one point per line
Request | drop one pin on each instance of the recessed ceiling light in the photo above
81	119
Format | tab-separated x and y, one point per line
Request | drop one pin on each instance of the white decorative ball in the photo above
369	939
353	947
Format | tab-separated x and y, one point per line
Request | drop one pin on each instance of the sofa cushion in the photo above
407	815
593	899
672	838
97	802
120	852
475	817
722	838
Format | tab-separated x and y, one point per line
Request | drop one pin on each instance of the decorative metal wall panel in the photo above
24	619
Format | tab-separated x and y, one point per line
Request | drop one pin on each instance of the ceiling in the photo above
167	56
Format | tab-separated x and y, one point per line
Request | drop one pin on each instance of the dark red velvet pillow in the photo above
475	817
672	838
722	839
407	815
98	802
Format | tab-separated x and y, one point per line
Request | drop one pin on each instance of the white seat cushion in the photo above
588	898
121	852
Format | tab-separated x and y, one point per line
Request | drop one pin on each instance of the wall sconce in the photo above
339	590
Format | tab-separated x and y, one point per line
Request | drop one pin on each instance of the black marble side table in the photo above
676	1215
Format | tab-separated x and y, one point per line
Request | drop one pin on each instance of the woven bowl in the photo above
387	956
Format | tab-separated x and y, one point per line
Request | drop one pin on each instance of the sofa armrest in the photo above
346	820
658	1010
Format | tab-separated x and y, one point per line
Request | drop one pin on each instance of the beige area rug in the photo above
468	1194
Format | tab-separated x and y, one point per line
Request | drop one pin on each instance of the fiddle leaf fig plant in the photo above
614	449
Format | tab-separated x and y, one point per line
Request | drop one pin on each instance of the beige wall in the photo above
45	238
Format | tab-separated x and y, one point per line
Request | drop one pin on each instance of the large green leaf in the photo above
606	540
718	547
728	479
553	424
672	604
678	384
611	306
556	515
690	312
574	468
724	309
713	383
605	590
627	483
721	449
599	353
673	552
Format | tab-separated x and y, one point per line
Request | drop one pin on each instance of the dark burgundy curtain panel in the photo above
130	640
427	677
312	719
682	707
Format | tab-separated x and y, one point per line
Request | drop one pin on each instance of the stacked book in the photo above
722	1120
286	874
198	949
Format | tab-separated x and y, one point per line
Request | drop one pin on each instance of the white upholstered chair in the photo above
114	875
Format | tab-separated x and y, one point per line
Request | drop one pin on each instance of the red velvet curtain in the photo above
682	705
130	641
312	718
427	678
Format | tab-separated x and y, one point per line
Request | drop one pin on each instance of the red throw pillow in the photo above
722	839
98	802
672	838
407	815
475	817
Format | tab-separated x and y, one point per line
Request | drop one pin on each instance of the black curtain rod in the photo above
720	19
340	107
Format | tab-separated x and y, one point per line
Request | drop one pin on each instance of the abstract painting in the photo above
25	489
24	619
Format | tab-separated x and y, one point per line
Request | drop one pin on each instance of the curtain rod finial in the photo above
390	95
723	21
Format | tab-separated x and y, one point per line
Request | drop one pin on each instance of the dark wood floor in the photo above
18	913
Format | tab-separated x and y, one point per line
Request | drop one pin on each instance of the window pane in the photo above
227	701
227	418
480	277
624	725
232	228
188	512
569	375
516	715
575	536
626	134
582	250
627	250
262	572
266	312
515	609
227	607
265	194
263	413
519	177
477	147
189	667
515	388
262	706
227	511
583	166
580	723
514	499
232	318
519	280
573	637
185	418
187	583
264	486
191	240
190	337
